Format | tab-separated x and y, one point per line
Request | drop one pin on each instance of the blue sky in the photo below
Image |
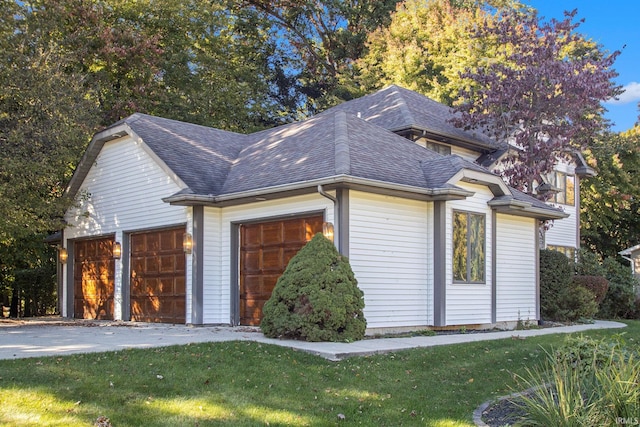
613	24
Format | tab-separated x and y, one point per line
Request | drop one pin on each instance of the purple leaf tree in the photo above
542	94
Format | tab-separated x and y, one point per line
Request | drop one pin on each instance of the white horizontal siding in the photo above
125	187
123	193
215	297
465	153
469	303
391	253
563	232
217	255
515	268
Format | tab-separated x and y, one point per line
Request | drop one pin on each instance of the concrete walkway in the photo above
58	337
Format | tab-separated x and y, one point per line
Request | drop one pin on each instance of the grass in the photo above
247	384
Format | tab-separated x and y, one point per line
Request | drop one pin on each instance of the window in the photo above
468	247
568	251
567	186
438	148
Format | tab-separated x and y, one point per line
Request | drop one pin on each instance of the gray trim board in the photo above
197	270
538	224
69	295
577	205
234	274
494	268
126	276
439	263
342	220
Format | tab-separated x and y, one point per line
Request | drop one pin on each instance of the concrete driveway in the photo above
59	337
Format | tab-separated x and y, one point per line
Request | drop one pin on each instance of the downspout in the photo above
336	224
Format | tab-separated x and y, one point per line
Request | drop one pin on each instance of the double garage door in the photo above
157	279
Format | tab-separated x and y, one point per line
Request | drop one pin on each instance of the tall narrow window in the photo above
469	237
566	184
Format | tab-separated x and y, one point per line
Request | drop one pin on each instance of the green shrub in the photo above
619	301
317	297
555	280
596	284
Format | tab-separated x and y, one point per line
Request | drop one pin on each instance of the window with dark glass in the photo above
566	185
469	236
438	148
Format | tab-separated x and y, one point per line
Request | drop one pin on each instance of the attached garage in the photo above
158	276
265	251
94	272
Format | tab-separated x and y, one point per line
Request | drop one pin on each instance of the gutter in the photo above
190	199
336	222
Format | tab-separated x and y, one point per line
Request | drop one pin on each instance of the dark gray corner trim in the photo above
126	276
342	220
197	268
494	268
536	230
577	203
234	274
69	284
439	263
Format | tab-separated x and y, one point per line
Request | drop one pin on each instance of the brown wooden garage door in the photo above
158	276
94	270
265	251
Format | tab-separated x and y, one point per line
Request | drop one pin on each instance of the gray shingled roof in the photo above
396	108
199	155
327	145
335	143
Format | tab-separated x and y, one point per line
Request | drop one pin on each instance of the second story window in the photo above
438	148
566	186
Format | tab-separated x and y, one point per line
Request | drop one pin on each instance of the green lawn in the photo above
245	383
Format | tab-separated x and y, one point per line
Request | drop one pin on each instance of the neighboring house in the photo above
633	256
187	224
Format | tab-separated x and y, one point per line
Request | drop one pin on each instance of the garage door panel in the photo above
266	249
158	276
271	233
94	272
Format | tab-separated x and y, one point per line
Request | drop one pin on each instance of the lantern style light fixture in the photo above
117	250
187	243
63	255
327	230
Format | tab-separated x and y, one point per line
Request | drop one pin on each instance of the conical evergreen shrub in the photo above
317	297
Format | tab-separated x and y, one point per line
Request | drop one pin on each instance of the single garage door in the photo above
265	251
158	276
94	271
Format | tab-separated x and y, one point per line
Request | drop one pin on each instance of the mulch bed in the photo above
502	413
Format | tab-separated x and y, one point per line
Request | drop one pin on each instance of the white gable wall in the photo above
124	190
564	232
468	303
391	254
516	249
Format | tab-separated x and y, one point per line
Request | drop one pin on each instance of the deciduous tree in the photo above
545	98
610	209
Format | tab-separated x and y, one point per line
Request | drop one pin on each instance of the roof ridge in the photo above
341	139
403	103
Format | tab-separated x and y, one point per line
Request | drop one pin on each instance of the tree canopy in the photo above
610	209
544	98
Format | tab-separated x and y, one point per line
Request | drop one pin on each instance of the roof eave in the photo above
310	186
471	144
522	208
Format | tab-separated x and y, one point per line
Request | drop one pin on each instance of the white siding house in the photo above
187	224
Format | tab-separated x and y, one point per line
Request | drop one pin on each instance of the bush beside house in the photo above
317	297
561	298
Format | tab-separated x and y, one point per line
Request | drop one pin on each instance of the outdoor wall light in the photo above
117	250
63	255
327	230
187	243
